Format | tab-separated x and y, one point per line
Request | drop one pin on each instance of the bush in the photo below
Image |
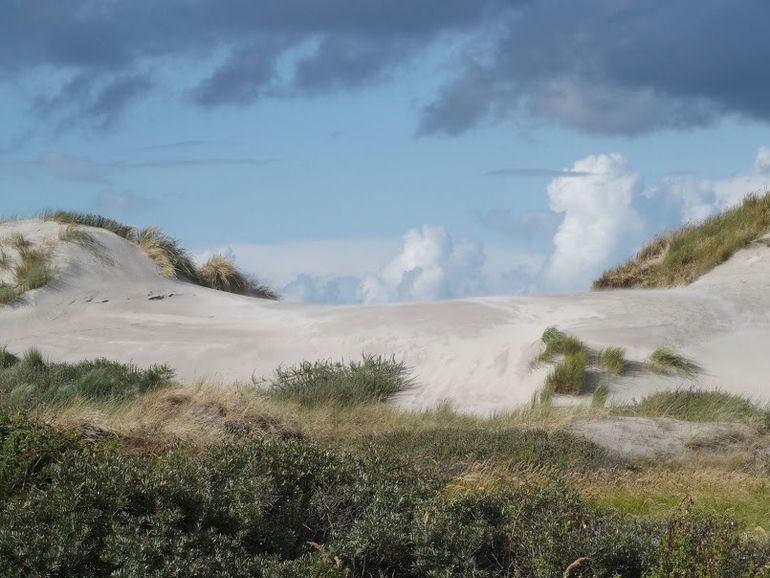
373	379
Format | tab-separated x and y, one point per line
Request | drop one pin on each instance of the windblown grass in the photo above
373	379
680	257
30	380
559	343
172	260
91	220
701	406
221	273
601	394
666	360
8	294
569	375
612	360
33	270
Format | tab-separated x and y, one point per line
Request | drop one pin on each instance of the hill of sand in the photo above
474	353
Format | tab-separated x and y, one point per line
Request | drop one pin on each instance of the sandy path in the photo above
474	353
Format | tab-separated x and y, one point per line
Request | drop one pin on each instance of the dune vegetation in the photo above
27	267
680	257
172	260
108	469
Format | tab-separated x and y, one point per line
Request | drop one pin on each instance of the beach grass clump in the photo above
8	294
600	394
666	360
373	379
30	379
172	260
680	257
221	273
568	376
558	343
33	269
612	360
91	220
701	406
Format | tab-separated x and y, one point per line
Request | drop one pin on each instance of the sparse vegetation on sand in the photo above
373	379
31	269
666	360
221	273
172	260
569	374
680	257
222	481
612	360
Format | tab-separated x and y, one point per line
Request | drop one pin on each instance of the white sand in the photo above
474	353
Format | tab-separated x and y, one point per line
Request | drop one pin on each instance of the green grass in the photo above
682	256
8	294
5	260
601	394
30	380
373	379
559	343
701	406
568	376
666	360
91	220
612	360
33	270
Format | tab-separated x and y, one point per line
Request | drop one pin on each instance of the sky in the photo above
372	151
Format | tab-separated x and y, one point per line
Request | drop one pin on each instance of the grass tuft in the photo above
222	274
569	375
680	257
600	394
91	220
701	406
666	360
8	294
559	343
612	360
33	270
172	260
371	380
7	359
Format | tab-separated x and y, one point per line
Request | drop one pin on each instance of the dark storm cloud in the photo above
614	66
611	66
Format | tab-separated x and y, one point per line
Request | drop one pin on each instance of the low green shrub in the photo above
373	379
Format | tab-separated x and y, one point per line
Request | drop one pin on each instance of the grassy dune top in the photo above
680	257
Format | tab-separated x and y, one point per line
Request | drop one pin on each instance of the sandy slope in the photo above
473	352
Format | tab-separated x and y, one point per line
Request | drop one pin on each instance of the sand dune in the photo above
473	352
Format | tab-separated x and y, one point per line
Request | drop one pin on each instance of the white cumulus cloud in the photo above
599	220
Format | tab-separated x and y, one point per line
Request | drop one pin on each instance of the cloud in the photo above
530	226
599	222
614	67
698	197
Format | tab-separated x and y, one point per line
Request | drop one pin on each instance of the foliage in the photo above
680	257
373	379
569	375
612	360
666	360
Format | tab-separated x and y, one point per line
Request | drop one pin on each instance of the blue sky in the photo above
372	151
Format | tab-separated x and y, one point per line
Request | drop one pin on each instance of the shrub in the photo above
90	220
373	379
612	360
666	360
172	260
221	273
569	375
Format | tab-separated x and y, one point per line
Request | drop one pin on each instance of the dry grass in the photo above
221	273
172	260
680	257
91	220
